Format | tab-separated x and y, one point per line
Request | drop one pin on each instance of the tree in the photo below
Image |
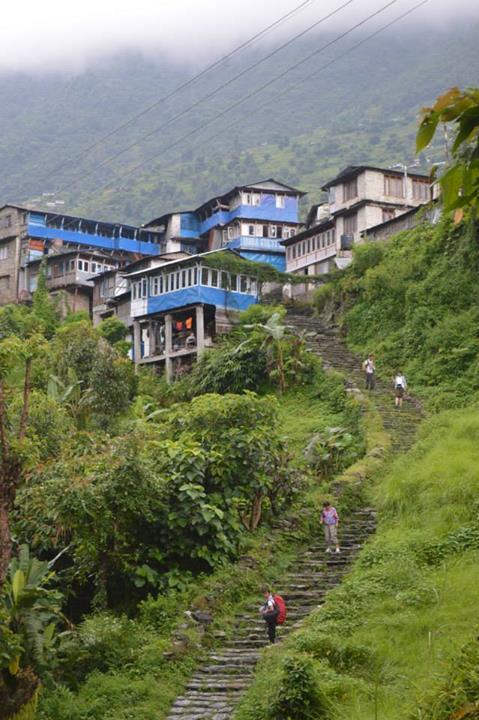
43	308
460	181
112	330
274	332
13	440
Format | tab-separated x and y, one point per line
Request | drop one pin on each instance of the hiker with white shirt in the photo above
369	368
400	387
330	520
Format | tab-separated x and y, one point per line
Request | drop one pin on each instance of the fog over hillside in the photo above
361	108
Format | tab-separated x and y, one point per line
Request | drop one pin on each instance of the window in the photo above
144	288
256	199
273	231
350	190
214	278
351	224
154	285
308	246
251	230
388	214
4	252
247	199
393	186
224	280
420	190
280	201
259	230
230	232
4	282
204	276
243	284
233	282
332	195
184	278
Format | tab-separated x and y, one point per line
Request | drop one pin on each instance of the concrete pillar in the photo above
168	347
200	329
136	341
152	337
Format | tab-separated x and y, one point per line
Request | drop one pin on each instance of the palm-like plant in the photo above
33	610
274	332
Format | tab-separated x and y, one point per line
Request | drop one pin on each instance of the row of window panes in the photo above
160	284
255	199
87	266
264	231
317	242
4	252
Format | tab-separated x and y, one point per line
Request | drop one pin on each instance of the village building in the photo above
252	219
26	235
179	307
362	196
69	276
111	288
359	198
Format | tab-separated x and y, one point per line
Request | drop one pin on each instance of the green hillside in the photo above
362	108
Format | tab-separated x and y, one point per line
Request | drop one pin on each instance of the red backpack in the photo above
281	605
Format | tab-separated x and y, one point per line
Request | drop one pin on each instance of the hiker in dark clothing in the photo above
270	611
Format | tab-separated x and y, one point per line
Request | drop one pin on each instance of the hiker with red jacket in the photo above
273	611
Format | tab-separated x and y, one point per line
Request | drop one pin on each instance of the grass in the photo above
302	414
389	635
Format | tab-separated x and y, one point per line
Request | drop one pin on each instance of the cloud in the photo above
70	35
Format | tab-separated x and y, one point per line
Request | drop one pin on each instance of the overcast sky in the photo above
69	35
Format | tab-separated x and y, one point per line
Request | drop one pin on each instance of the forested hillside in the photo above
362	108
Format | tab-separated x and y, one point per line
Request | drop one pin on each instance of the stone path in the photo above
217	685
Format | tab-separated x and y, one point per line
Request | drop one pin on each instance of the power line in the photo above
210	95
247	43
313	75
253	93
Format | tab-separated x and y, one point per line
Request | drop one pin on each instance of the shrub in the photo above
298	696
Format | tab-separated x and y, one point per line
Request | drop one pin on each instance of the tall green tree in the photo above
13	436
43	308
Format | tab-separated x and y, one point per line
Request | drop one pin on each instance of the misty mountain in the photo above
363	108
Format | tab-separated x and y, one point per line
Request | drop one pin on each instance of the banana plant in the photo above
273	332
32	609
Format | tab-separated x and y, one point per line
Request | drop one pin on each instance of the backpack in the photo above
281	605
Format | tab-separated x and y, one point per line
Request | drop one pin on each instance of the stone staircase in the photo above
217	685
402	424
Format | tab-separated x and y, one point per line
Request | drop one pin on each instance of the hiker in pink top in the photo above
330	521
